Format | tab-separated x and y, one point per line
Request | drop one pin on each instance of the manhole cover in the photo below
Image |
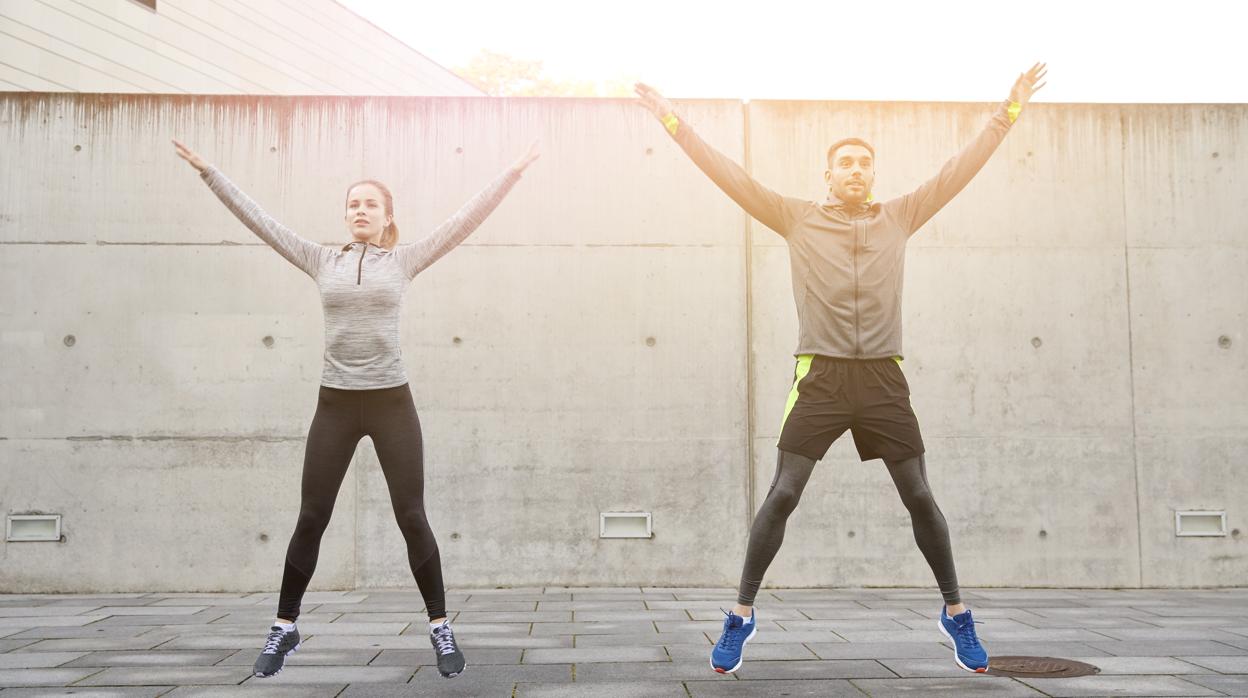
1039	667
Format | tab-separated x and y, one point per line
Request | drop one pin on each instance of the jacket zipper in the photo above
359	272
857	336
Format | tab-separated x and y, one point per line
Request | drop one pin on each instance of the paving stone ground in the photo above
622	642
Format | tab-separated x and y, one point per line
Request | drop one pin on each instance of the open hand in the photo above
1025	86
190	156
652	100
528	158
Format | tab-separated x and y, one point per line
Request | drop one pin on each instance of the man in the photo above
847	256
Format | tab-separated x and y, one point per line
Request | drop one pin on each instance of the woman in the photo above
364	389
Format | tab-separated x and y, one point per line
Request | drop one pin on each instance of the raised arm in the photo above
773	210
917	207
305	254
417	256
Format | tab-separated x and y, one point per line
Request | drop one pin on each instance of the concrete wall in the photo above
617	337
285	47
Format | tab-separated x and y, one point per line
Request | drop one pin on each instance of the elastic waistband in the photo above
847	361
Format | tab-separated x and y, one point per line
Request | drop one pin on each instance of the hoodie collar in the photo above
353	243
835	201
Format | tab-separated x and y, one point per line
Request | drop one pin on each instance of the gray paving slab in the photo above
728	688
1222	664
310	629
644	639
770	614
765	627
632	627
468	629
980	685
110	692
10	645
1045	649
350	675
816	669
211	642
1140	648
37	660
1230	685
1169	634
934	668
864	624
421	642
426	657
306	656
624	616
1119	686
577	655
93	630
467	686
753	653
36	611
176	676
42	677
487	604
27	622
91	644
599	690
514	617
699	668
155	619
878	650
184	610
1110	666
629	605
836	613
150	658
255	687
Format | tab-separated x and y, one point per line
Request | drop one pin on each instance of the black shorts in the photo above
870	397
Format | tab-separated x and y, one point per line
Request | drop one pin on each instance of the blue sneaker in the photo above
967	651
726	657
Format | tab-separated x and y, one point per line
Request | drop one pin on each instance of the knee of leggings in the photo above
312	520
412	521
783	500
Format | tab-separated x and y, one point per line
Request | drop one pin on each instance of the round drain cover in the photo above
1039	667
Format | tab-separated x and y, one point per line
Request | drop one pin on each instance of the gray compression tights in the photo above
793	471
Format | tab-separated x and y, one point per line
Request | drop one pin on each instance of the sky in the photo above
939	50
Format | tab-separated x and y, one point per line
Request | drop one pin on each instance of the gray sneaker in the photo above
279	645
450	658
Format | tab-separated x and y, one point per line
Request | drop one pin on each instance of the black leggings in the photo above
793	471
343	417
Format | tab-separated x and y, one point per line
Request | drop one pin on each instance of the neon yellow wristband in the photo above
1013	111
670	122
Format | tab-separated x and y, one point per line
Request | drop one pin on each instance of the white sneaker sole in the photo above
957	659
744	642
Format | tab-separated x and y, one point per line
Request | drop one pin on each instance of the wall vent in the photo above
32	527
632	524
1200	523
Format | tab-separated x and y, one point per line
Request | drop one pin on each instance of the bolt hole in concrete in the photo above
77	149
650	341
264	537
459	150
1235	533
1224	342
649	151
268	341
1044	533
1039	667
70	340
272	149
852	534
456	340
454	536
1036	342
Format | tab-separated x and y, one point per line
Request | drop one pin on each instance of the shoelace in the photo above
966	633
444	639
274	639
731	637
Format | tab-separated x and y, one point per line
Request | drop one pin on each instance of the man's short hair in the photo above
848	141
